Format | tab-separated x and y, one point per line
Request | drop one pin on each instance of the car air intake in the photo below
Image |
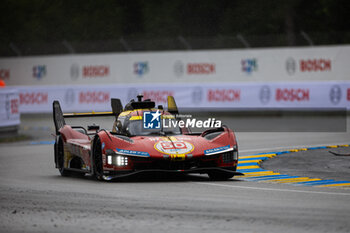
227	157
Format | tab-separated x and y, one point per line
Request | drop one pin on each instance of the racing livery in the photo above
132	147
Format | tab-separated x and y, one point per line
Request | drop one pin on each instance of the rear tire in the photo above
60	160
219	176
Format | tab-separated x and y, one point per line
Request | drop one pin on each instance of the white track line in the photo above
273	189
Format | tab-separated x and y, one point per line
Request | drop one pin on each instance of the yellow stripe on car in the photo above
135	118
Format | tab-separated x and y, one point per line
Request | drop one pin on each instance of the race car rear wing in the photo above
58	115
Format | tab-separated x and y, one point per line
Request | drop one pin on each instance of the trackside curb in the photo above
250	166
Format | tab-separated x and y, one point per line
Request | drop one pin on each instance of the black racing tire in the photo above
97	159
60	160
219	176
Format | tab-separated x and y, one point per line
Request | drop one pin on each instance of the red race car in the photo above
144	139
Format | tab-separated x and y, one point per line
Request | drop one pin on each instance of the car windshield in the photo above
135	127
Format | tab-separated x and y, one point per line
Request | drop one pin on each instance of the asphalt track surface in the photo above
34	198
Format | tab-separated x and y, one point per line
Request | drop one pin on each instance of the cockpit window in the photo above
135	127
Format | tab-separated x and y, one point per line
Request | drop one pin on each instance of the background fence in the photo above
129	44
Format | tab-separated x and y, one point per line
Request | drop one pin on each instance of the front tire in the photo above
97	159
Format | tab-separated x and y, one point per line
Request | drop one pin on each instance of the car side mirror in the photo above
93	127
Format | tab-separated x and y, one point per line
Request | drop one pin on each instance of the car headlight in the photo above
235	153
118	160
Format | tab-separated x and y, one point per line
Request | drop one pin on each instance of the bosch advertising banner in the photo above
307	64
9	107
324	95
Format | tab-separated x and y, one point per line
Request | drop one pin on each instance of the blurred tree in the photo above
89	20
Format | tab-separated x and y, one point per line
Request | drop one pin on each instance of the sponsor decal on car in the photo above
174	147
132	152
217	150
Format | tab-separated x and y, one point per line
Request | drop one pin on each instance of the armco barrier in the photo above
9	110
233	96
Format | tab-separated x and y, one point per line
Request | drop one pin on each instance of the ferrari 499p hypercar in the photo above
139	143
